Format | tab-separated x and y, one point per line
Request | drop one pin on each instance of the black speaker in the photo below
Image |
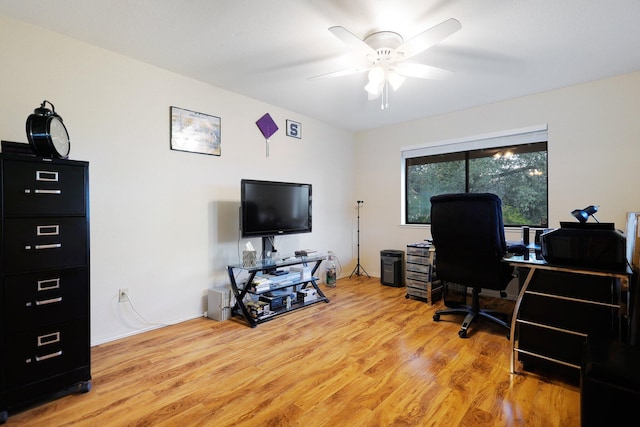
391	271
525	236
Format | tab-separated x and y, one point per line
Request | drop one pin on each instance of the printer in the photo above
589	245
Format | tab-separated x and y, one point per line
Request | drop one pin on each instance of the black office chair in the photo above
468	235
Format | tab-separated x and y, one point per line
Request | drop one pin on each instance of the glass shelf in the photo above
240	292
267	264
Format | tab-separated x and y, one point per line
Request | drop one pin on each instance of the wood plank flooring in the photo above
369	358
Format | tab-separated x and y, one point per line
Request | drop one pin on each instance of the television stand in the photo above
252	297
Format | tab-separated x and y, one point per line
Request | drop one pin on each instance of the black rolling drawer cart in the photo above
44	266
420	274
559	308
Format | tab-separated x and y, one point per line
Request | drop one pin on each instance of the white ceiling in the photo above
267	49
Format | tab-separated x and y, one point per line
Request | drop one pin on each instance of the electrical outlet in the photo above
123	295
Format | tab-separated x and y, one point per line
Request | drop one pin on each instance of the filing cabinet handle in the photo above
38	191
49	301
48	356
48	339
50	246
48	284
47	230
48	176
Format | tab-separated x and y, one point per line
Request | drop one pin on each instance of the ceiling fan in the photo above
385	52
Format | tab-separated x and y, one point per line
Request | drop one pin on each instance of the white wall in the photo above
164	223
594	153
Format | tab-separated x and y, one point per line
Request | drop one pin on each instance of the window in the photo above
516	172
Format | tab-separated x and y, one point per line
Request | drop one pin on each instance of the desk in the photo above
558	307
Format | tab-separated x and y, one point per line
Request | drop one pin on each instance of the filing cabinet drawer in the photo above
417	276
578	316
420	268
416	292
46	351
544	342
39	243
35	299
413	259
417	284
583	286
43	189
430	293
422	251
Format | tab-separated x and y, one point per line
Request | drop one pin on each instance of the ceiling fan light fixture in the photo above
373	96
376	75
374	89
395	79
376	81
385	51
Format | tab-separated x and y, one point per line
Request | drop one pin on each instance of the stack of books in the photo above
261	284
284	279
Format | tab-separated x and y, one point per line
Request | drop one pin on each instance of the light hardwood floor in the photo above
369	358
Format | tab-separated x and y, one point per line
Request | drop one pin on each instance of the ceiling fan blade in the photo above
421	71
351	40
428	38
340	73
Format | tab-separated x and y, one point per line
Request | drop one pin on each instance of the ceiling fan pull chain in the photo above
386	94
384	99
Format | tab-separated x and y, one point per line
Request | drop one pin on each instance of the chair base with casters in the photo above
473	311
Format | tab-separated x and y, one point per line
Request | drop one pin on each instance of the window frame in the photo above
496	140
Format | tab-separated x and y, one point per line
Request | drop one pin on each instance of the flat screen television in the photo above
271	208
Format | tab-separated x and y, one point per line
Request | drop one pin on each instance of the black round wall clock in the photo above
47	135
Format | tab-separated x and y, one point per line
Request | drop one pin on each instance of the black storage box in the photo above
610	384
391	267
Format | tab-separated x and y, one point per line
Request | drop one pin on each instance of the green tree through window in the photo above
517	174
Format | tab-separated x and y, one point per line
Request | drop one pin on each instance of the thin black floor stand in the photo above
358	267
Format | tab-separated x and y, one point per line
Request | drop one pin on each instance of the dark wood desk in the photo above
558	307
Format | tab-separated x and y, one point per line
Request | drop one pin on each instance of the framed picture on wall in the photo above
195	132
294	129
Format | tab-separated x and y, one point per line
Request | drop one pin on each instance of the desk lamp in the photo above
583	215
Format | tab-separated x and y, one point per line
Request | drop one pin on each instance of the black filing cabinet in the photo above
44	267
